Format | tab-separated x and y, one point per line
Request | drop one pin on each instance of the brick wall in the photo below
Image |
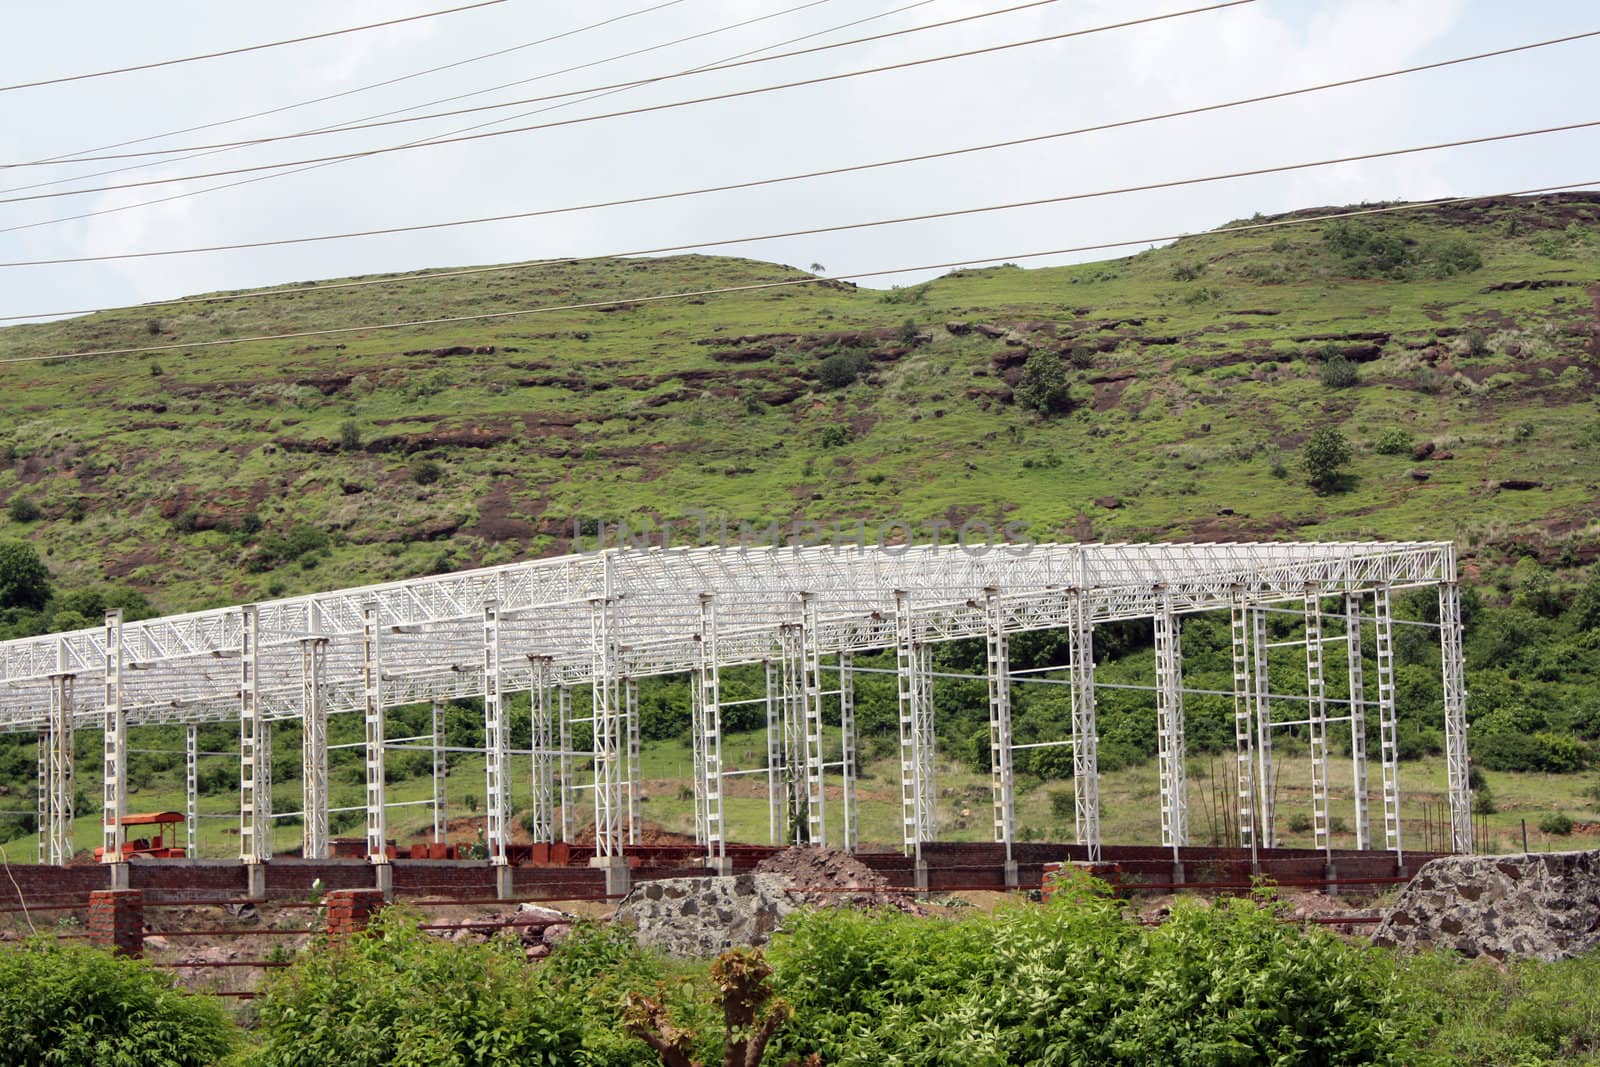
116	920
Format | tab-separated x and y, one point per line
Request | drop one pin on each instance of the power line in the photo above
756	183
566	94
247	48
425	140
785	283
366	88
647	109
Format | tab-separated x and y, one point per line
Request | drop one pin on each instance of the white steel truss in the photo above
313	750
1317	720
593	619
114	799
1085	732
847	744
496	744
1171	752
775	810
1002	782
1388	742
630	768
707	685
1358	717
1243	727
543	743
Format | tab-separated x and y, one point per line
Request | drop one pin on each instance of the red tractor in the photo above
158	847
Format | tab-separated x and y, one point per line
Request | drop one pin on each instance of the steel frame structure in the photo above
606	619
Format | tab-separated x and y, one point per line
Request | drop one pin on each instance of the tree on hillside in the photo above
1324	457
24	581
1044	385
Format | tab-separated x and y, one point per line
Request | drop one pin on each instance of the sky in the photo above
1211	57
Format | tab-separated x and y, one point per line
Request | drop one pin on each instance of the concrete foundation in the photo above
383	879
255	881
504	881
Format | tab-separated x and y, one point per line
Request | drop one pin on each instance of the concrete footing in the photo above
719	864
921	875
255	881
119	875
619	876
505	881
1012	880
383	879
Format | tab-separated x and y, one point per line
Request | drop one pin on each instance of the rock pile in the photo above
1544	905
539	929
825	877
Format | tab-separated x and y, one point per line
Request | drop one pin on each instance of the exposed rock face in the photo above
1545	905
700	917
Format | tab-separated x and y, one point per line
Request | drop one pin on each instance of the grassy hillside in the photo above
1164	395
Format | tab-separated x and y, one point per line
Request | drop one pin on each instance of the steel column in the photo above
191	791
1455	717
697	757
708	683
252	824
1171	750
543	745
918	810
1001	782
630	720
63	746
373	714
314	802
1265	779
496	745
114	805
1317	721
774	750
564	762
1243	726
1085	731
847	736
1388	742
441	819
608	798
815	754
1358	718
42	797
793	774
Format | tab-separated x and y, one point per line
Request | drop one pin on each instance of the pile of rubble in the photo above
825	877
539	929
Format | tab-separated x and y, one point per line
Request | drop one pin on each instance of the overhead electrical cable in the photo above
642	110
565	94
351	124
247	48
370	86
804	176
786	283
870	224
421	141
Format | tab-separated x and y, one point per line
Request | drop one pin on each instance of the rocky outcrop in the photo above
1544	905
699	917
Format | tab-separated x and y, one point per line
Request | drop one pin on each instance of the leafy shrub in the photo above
1558	823
349	435
23	509
1540	751
401	996
1339	373
1324	457
426	471
1043	386
1368	252
834	436
75	1005
1451	255
840	369
1187	272
24	580
1392	442
1300	823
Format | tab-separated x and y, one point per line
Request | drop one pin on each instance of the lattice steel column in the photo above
1317	721
917	798
1388	742
564	762
41	798
496	745
1243	725
815	781
373	713
608	799
543	738
1455	717
1085	731
252	824
63	745
191	791
847	735
793	772
697	758
1268	826
774	751
630	720
1169	729
1358	717
440	765
264	790
708	683
1001	782
314	748
114	806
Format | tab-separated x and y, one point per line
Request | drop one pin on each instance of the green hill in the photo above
1168	394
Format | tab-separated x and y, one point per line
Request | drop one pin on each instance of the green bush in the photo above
70	1005
399	996
23	509
1043	386
1541	751
1392	442
840	369
1339	373
24	580
349	435
1324	457
834	436
426	471
1558	823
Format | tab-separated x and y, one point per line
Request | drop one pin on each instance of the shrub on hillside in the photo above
72	1005
1557	823
24	580
426	471
23	509
1043	386
1339	373
840	369
1324	457
1392	442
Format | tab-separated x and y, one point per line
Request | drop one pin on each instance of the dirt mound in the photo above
830	878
